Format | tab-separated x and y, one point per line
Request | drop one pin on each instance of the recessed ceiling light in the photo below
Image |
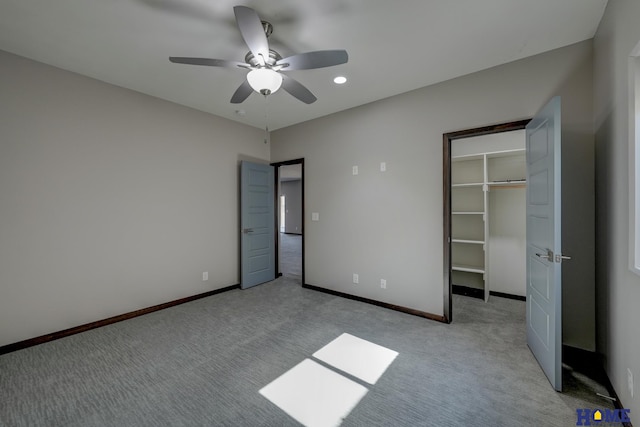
340	80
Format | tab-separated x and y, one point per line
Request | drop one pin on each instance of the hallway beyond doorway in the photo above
291	255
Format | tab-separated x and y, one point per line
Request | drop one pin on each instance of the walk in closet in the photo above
488	214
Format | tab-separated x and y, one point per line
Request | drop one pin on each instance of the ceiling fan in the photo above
266	65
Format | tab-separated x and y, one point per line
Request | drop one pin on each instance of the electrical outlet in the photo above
356	279
355	170
205	276
630	381
383	283
383	167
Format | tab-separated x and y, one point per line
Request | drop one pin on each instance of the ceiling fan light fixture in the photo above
264	80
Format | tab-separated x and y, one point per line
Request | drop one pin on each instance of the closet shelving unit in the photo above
473	176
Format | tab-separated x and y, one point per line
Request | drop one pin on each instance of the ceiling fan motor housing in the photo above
269	62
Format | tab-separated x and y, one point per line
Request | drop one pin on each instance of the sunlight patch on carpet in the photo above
355	356
314	395
317	396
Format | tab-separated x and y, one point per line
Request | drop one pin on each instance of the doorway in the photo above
289	176
474	165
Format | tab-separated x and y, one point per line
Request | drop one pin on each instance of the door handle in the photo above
548	256
247	230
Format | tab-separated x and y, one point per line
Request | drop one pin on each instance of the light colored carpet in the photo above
204	362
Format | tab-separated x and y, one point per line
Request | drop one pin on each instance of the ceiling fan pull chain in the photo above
266	119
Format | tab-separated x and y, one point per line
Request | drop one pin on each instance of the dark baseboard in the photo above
293	234
378	303
509	296
93	325
467	291
591	364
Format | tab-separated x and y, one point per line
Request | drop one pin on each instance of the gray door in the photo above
544	268
257	222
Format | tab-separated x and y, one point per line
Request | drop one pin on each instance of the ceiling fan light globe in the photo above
264	80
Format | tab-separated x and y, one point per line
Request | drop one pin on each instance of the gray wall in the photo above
618	288
292	190
389	224
110	201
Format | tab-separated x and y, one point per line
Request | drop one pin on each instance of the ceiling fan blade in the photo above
317	59
296	89
241	93
209	62
252	31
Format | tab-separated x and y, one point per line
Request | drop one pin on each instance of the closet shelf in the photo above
468	184
509	182
467	157
467	213
467	268
471	242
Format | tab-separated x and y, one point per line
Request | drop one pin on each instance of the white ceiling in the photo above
393	46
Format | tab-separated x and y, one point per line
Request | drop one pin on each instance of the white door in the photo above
257	224
544	248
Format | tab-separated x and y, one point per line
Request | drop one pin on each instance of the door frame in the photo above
447	138
276	202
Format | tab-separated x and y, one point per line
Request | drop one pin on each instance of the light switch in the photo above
355	170
383	167
315	216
